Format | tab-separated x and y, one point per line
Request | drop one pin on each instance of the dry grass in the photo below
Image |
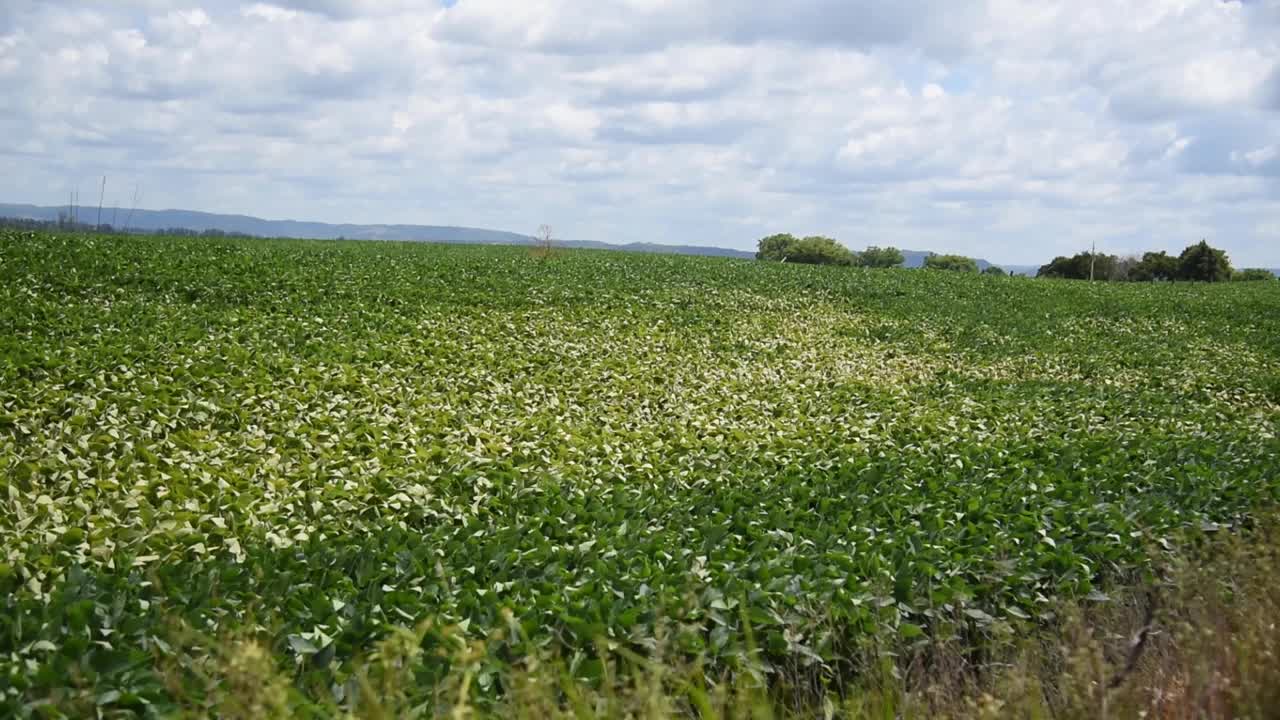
1203	643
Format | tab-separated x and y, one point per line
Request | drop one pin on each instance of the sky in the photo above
1013	130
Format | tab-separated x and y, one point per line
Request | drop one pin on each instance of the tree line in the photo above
1200	262
66	224
819	250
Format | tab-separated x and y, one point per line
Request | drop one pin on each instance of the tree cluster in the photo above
878	257
1252	275
956	263
818	250
1199	262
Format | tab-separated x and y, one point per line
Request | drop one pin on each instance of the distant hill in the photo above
193	220
915	259
152	220
656	248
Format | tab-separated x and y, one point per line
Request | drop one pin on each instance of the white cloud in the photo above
1259	157
270	13
1009	129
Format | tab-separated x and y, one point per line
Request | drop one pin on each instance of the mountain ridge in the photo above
153	220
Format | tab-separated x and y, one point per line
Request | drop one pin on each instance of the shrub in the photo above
877	257
818	250
1252	275
958	263
776	247
813	250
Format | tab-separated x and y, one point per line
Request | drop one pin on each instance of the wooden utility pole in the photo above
1093	258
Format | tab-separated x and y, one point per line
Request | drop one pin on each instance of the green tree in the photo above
776	247
818	250
1155	266
813	250
1082	266
958	263
993	270
1204	263
1252	275
878	257
1059	267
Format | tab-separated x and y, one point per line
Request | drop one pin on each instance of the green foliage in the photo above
316	445
814	250
957	263
1203	263
818	250
776	247
878	257
1155	266
1212	616
993	270
1082	266
1063	267
1198	262
1253	275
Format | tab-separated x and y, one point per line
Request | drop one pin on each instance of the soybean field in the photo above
317	445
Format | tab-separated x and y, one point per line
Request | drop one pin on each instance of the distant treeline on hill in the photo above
67	225
819	250
192	222
1199	262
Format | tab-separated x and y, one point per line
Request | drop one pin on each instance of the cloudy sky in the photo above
1008	129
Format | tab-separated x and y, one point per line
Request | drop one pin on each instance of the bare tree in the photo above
544	239
129	218
101	194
